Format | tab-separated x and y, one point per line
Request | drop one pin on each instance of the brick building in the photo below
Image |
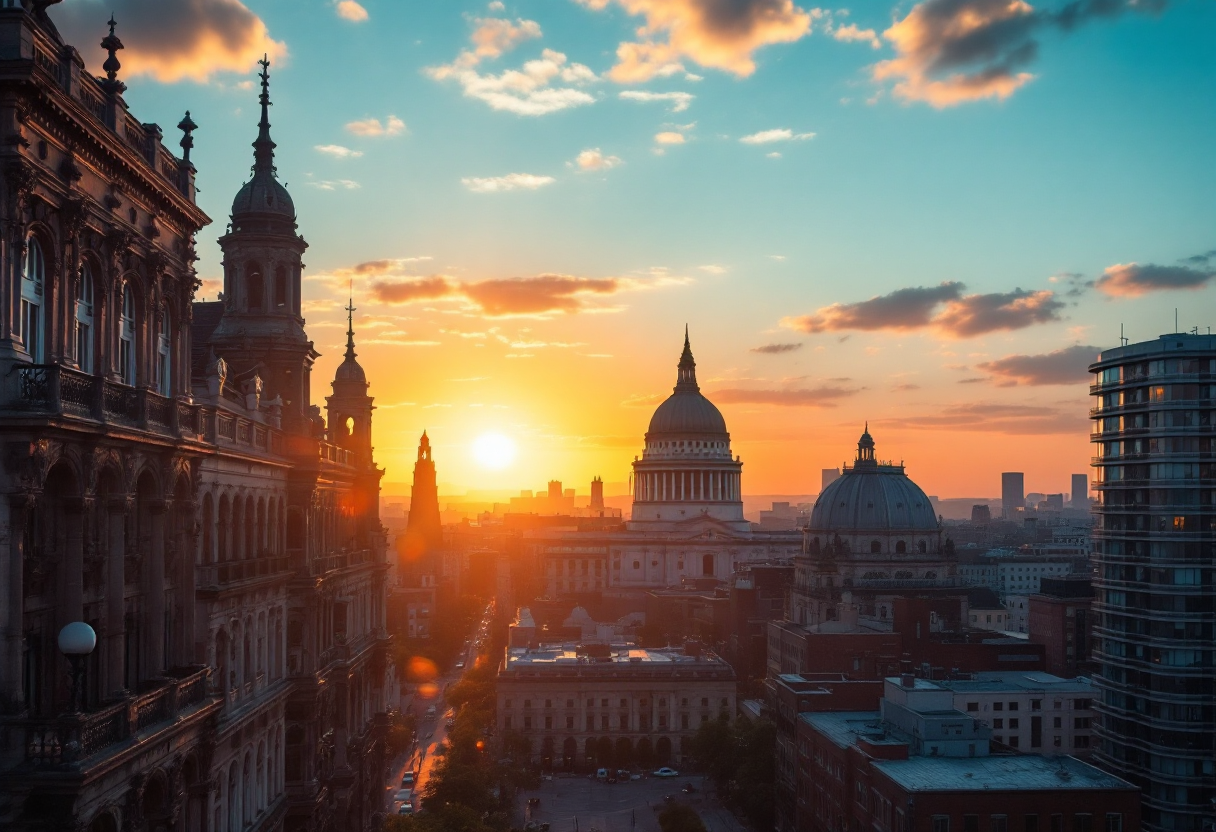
1060	619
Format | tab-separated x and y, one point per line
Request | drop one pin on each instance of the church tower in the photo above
423	538
350	407
262	330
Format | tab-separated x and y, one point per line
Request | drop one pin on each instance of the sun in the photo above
494	451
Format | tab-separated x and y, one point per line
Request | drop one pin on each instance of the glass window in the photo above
164	384
126	337
84	321
30	321
941	823
999	823
1114	822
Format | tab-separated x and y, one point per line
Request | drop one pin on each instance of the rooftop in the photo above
1014	773
572	656
1012	680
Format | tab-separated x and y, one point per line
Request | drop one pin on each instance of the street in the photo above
578	802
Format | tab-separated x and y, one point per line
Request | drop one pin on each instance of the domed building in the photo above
872	533
687	469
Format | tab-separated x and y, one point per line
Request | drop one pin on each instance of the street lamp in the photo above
77	640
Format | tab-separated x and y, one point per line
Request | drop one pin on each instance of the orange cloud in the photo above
494	36
170	42
943	307
811	397
1133	279
1067	366
414	289
721	35
537	295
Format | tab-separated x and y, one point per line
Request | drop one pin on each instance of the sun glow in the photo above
494	451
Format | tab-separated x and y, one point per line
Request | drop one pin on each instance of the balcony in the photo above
52	390
218	576
72	740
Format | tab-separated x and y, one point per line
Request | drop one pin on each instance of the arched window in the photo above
921	547
84	321
280	287
33	279
901	547
255	288
875	547
126	337
164	366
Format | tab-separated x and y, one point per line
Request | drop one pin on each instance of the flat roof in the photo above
1014	773
1016	681
844	728
616	655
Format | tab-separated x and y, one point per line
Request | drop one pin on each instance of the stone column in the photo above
116	555
11	601
154	583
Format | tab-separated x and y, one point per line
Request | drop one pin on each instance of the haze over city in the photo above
857	217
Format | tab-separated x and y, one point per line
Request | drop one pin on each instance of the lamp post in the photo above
77	640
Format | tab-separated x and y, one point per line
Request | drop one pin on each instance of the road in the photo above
431	733
567	803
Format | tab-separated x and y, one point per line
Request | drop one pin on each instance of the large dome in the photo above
263	197
686	411
872	497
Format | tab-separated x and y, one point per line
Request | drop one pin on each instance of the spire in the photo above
350	324
263	148
686	378
187	126
865	446
112	44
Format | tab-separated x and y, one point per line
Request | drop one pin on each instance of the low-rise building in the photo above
919	765
1060	619
581	706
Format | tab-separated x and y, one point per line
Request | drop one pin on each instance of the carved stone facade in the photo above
170	485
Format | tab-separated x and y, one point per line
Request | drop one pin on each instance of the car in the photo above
689	788
407	780
405	809
460	665
601	774
404	796
665	772
622	775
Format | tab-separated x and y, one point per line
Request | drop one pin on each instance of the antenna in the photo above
1175	320
1122	338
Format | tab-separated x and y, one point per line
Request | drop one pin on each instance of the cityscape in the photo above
753	417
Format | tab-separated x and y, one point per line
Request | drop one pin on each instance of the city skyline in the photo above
508	233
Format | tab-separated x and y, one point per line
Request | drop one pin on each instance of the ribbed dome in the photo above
263	195
873	497
350	371
686	411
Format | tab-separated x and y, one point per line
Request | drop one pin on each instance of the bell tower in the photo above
262	329
350	407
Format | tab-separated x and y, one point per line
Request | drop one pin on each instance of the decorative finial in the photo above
112	44
350	324
263	148
686	377
187	126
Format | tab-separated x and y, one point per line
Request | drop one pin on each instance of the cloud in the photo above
333	184
510	182
496	6
812	397
1065	366
338	151
713	268
373	127
943	307
906	387
171	42
415	289
669	137
903	309
533	295
1133	279
778	135
721	34
532	90
680	101
776	349
850	33
1012	419
978	314
350	10
594	159
494	36
645	400
951	52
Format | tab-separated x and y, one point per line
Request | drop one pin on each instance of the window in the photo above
1082	823
973	706
1013	724
1030	823
999	823
280	287
1057	722
1081	741
548	722
684	721
998	706
126	337
971	823
569	703
527	723
84	321
1081	723
704	702
163	365
1013	706
998	723
1036	704
603	703
32	281
1057	823
1056	741
941	823
1114	822
1013	742
506	722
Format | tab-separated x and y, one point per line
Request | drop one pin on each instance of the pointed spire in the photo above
112	44
187	126
350	325
686	377
865	446
263	148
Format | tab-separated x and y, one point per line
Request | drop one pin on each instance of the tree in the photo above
740	758
680	818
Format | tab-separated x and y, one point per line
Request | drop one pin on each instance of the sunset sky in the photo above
929	216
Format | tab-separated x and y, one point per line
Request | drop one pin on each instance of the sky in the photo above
928	216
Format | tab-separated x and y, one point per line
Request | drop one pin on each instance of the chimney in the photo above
907	680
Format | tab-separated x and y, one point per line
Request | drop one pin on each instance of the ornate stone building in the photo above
166	481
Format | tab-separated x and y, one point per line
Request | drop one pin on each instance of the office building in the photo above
1080	492
1154	603
827	476
1013	494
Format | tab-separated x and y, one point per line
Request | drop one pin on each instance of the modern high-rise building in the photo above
1080	491
1154	549
1013	493
828	476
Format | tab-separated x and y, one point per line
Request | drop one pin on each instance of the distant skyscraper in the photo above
423	538
1153	550
1080	491
829	476
1013	493
597	494
981	513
